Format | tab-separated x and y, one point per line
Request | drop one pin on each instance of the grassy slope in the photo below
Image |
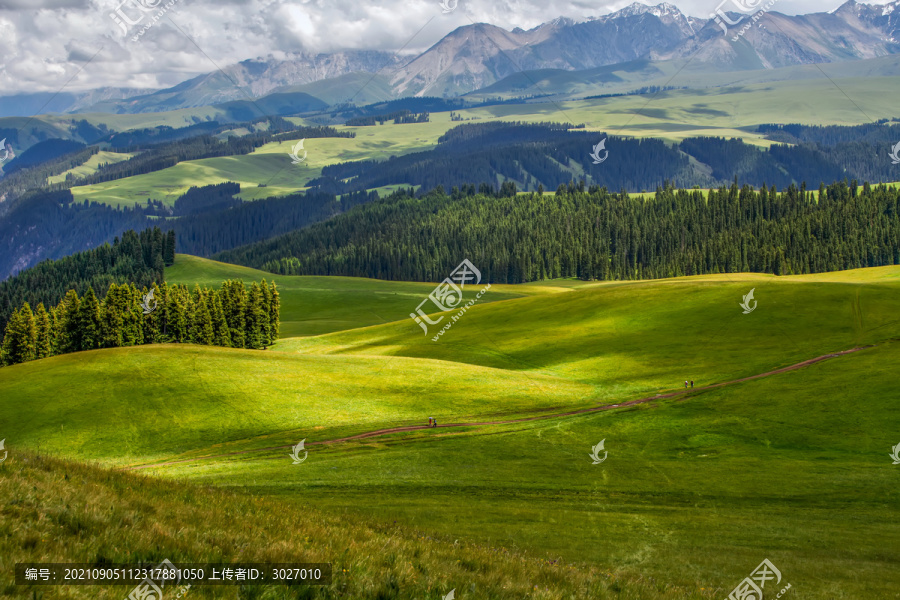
317	305
694	493
65	512
92	165
673	115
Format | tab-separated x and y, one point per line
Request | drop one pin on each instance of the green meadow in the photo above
698	487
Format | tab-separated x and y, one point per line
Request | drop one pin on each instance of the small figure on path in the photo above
692	384
435	423
430	419
685	384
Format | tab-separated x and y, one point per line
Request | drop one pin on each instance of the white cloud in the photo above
47	41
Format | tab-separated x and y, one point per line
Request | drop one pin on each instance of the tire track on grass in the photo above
581	411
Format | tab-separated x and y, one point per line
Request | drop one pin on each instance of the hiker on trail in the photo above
435	423
685	384
692	384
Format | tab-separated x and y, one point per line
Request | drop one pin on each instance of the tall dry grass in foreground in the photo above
58	511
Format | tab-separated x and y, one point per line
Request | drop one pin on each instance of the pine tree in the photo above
44	344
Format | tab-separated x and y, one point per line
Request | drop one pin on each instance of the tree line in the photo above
211	220
134	257
231	317
550	154
593	234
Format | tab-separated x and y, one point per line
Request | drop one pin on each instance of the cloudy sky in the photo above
48	44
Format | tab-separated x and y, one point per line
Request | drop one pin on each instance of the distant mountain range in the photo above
477	56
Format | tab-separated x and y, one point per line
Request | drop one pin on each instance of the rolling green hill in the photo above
698	488
317	305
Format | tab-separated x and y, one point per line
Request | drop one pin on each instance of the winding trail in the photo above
382	432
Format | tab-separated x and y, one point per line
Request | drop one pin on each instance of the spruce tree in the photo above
201	323
233	304
20	338
111	318
54	332
274	314
255	319
153	323
89	321
221	333
266	301
69	336
169	251
176	315
7	346
44	344
132	316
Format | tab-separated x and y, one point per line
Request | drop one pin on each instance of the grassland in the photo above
671	115
317	305
696	491
56	511
92	165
